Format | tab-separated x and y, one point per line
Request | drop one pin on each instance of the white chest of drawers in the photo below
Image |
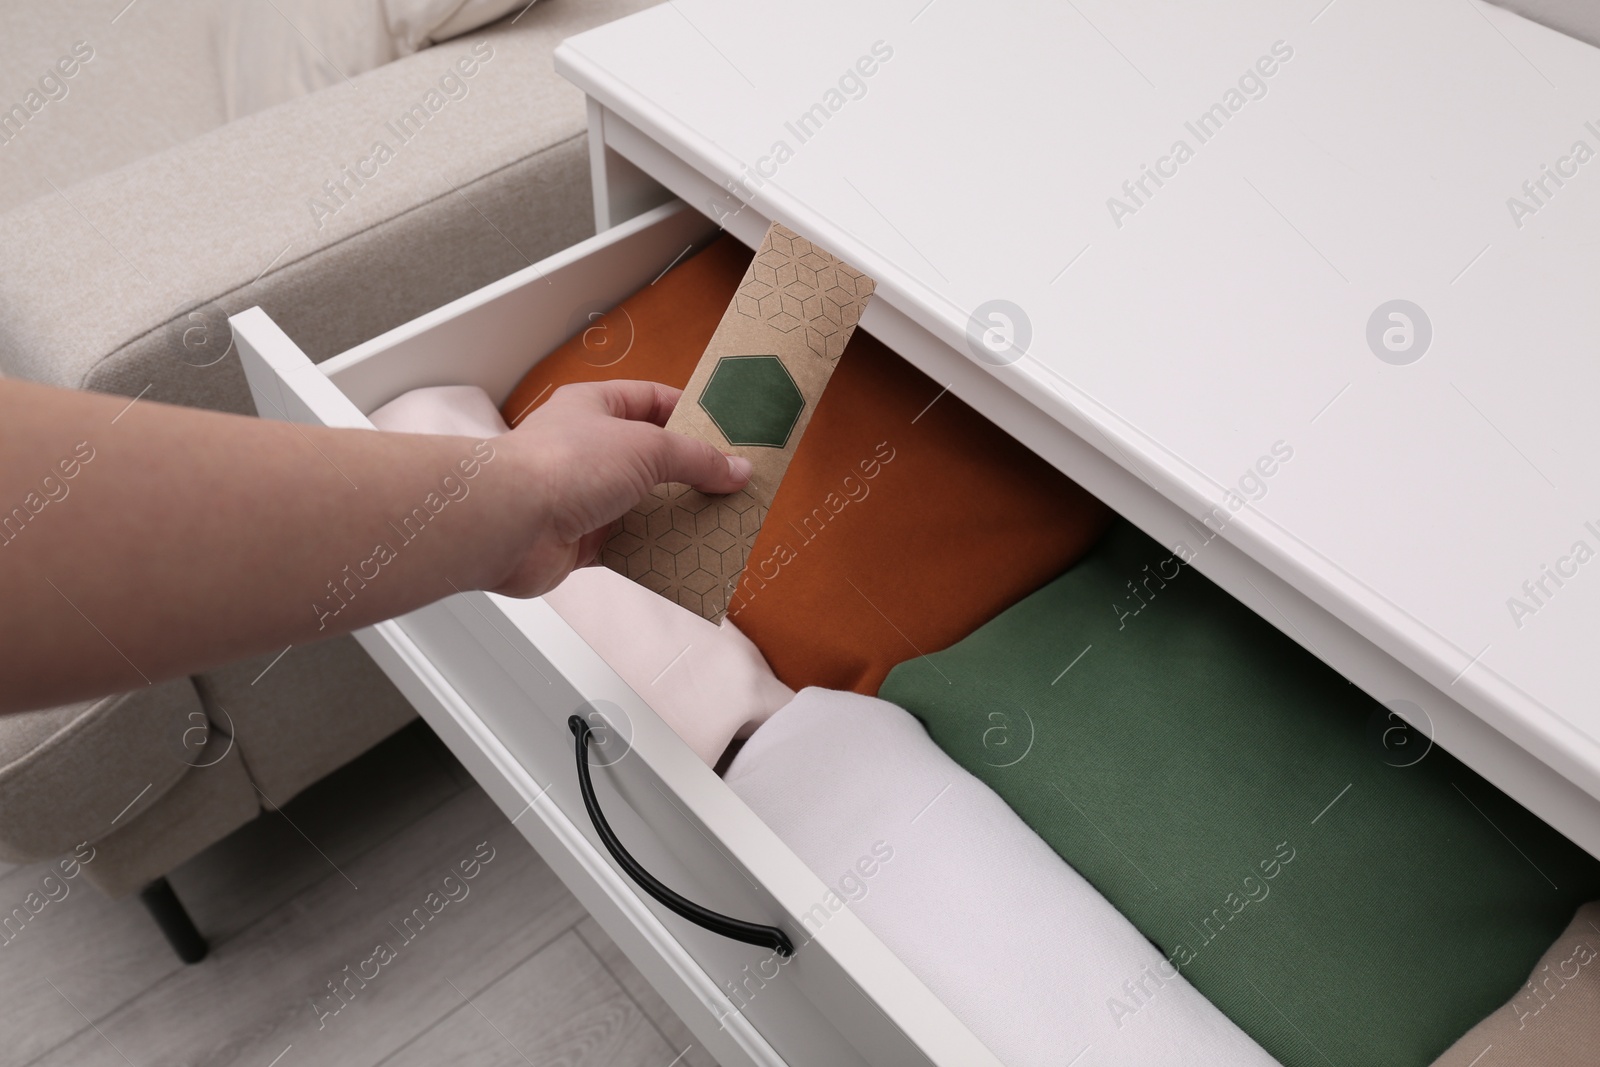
1423	537
1172	345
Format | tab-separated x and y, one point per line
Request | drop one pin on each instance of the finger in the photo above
637	401
591	543
667	397
674	457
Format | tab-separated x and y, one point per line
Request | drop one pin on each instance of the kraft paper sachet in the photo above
751	394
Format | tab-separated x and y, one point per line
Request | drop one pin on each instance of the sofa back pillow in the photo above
272	52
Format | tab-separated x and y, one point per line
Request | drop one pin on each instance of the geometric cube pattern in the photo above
801	304
689	547
795	286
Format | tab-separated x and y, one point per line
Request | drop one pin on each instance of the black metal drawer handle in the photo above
737	929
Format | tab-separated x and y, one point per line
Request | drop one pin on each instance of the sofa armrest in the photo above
82	771
343	213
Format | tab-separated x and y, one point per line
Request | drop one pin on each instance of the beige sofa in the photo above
134	220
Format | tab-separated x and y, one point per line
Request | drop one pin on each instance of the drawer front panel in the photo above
517	671
525	700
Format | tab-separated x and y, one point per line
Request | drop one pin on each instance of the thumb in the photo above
675	457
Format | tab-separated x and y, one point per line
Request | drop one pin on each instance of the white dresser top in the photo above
1228	311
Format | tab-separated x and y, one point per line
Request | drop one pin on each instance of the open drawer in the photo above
499	678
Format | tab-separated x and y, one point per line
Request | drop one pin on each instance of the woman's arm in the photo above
141	542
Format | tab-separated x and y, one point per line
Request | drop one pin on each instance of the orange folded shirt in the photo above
906	520
656	335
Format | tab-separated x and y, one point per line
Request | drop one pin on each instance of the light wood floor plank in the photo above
561	1006
98	952
266	862
644	994
284	923
253	997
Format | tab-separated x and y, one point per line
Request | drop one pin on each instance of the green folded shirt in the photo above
1269	826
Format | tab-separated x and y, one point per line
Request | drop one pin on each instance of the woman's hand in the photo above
593	451
185	538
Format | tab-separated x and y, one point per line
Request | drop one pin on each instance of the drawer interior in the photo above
489	338
525	671
844	998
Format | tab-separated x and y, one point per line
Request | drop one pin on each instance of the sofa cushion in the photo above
205	806
141	82
105	291
297	718
82	771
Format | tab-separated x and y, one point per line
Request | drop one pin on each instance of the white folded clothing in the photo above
461	410
708	681
1036	963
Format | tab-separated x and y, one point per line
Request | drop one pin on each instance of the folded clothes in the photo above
706	680
462	410
1554	1020
1010	938
1343	897
658	334
751	395
905	519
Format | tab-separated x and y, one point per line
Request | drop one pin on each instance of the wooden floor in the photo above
513	972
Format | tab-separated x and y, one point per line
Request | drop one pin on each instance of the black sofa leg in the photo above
174	921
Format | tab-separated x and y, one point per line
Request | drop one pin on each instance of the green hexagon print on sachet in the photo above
753	400
752	394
